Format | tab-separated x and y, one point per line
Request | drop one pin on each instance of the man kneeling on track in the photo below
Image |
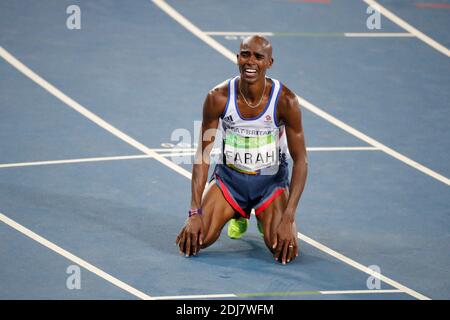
260	122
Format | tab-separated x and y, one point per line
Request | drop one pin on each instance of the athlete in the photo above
260	126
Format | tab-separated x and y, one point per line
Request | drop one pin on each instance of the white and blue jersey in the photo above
253	145
253	170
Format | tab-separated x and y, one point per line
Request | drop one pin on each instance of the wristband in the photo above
194	212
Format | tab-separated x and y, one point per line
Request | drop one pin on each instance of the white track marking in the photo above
345	34
311	107
198	296
360	291
403	24
176	152
53	162
227	53
88	114
237	33
361	267
269	294
73	258
327	149
379	35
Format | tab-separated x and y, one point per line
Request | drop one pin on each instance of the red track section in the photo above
422	5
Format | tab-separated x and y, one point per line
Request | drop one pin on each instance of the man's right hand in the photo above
190	237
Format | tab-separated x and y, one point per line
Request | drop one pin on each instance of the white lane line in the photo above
328	149
227	53
360	291
273	294
361	267
379	35
100	159
88	114
403	24
237	33
198	296
74	258
176	152
311	107
81	160
312	34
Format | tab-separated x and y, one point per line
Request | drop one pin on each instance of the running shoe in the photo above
237	227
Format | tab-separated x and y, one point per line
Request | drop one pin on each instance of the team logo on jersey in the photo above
267	118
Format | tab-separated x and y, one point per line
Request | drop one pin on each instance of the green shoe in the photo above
237	228
260	228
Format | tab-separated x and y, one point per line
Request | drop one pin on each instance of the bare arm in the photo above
211	114
292	118
285	238
191	235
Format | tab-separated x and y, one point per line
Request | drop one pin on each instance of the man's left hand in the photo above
285	242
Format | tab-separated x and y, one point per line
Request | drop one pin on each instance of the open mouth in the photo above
249	72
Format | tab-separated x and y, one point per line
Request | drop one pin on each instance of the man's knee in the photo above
210	238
